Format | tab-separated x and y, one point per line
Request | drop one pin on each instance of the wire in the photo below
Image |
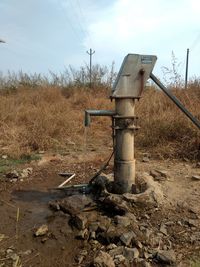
72	27
77	18
102	168
193	45
109	159
84	20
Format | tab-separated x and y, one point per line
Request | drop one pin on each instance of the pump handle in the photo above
175	100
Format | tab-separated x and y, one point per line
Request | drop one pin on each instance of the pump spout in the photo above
89	113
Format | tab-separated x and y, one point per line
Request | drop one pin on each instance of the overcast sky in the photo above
44	35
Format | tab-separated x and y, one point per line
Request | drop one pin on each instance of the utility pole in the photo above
90	53
186	68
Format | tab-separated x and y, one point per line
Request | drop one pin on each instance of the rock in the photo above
25	253
119	259
54	205
26	172
195	237
138	244
94	244
13	257
123	221
4	156
144	263
196	177
163	229
12	175
197	165
9	251
162	173
104	223
93	235
112	235
111	246
153	196
75	204
116	203
145	159
79	258
158	175
132	217
166	256
2	237
103	259
116	251
154	174
83	252
147	255
192	222
79	221
42	230
93	226
14	180
127	237
169	223
10	254
44	239
101	184
131	253
83	234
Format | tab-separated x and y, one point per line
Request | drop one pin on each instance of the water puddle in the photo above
34	205
36	196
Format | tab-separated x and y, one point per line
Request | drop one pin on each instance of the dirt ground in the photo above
24	207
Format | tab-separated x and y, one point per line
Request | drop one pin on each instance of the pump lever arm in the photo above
175	100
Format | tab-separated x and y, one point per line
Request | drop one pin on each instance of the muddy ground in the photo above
24	207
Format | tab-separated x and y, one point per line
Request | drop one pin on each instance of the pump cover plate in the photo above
133	74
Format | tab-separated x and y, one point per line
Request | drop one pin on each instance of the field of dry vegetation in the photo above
50	118
44	121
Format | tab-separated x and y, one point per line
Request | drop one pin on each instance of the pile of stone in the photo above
15	176
114	231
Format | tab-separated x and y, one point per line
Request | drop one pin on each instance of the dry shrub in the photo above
49	118
43	119
166	131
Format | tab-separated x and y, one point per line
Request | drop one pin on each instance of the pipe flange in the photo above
126	127
125	97
125	117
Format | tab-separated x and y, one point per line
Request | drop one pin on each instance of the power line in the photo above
82	27
75	33
84	20
76	18
195	42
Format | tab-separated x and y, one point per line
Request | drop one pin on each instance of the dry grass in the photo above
50	119
166	131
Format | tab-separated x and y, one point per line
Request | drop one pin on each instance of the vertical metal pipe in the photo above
186	69
124	162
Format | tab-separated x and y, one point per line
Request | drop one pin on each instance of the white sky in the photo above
48	35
